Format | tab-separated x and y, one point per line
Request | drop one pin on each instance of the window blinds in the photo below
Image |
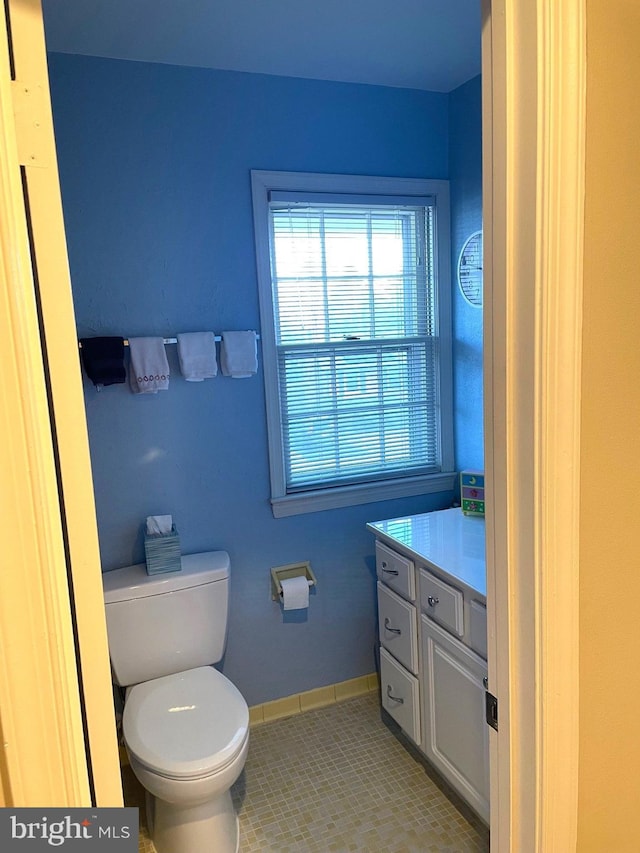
354	306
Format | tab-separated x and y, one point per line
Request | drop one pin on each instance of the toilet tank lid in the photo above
133	581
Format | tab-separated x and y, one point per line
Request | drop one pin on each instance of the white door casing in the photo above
56	703
533	164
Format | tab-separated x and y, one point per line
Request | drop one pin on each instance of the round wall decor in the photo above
470	269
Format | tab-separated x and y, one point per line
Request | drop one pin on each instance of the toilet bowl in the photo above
187	737
184	724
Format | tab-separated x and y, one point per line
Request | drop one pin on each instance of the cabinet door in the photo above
455	736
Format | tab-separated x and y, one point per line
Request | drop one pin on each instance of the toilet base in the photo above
211	826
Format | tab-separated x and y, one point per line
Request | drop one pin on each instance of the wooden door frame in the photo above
56	703
534	86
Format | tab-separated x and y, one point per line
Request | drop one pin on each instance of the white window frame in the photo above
262	184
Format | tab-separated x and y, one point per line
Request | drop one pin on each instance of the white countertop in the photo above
446	539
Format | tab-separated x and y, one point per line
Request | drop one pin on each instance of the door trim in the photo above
534	82
59	723
43	757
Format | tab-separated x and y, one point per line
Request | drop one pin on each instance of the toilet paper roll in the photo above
295	593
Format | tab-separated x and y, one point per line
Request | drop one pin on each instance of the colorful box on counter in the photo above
472	492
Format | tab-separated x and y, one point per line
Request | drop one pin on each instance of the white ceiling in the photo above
418	44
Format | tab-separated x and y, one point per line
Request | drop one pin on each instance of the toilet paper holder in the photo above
292	570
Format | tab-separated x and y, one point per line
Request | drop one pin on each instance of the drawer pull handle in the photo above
389	571
433	600
397	699
387	627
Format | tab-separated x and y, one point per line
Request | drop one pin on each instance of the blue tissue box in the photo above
162	552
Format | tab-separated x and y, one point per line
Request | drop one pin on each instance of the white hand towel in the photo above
197	356
238	354
149	368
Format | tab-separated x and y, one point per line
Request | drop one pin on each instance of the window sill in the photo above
342	496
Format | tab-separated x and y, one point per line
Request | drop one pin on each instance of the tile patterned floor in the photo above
336	779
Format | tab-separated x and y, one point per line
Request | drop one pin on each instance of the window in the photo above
354	300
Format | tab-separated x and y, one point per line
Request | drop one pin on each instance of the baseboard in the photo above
298	703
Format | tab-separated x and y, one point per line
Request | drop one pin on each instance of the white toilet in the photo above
185	726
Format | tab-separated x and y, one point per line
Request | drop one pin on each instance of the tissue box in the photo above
162	552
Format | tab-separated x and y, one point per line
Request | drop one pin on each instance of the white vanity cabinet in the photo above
432	630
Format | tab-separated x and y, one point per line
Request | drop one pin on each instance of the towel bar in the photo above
167	340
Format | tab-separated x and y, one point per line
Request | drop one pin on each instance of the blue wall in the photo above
465	175
154	164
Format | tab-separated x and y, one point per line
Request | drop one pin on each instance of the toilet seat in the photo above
187	725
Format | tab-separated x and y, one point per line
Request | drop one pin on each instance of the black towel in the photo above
103	360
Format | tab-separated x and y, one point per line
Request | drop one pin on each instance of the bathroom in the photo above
154	164
585	540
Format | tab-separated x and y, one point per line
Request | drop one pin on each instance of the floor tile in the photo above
336	779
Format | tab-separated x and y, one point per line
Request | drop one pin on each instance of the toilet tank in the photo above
166	623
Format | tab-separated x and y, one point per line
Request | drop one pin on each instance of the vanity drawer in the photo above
398	627
478	627
396	571
400	695
442	602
